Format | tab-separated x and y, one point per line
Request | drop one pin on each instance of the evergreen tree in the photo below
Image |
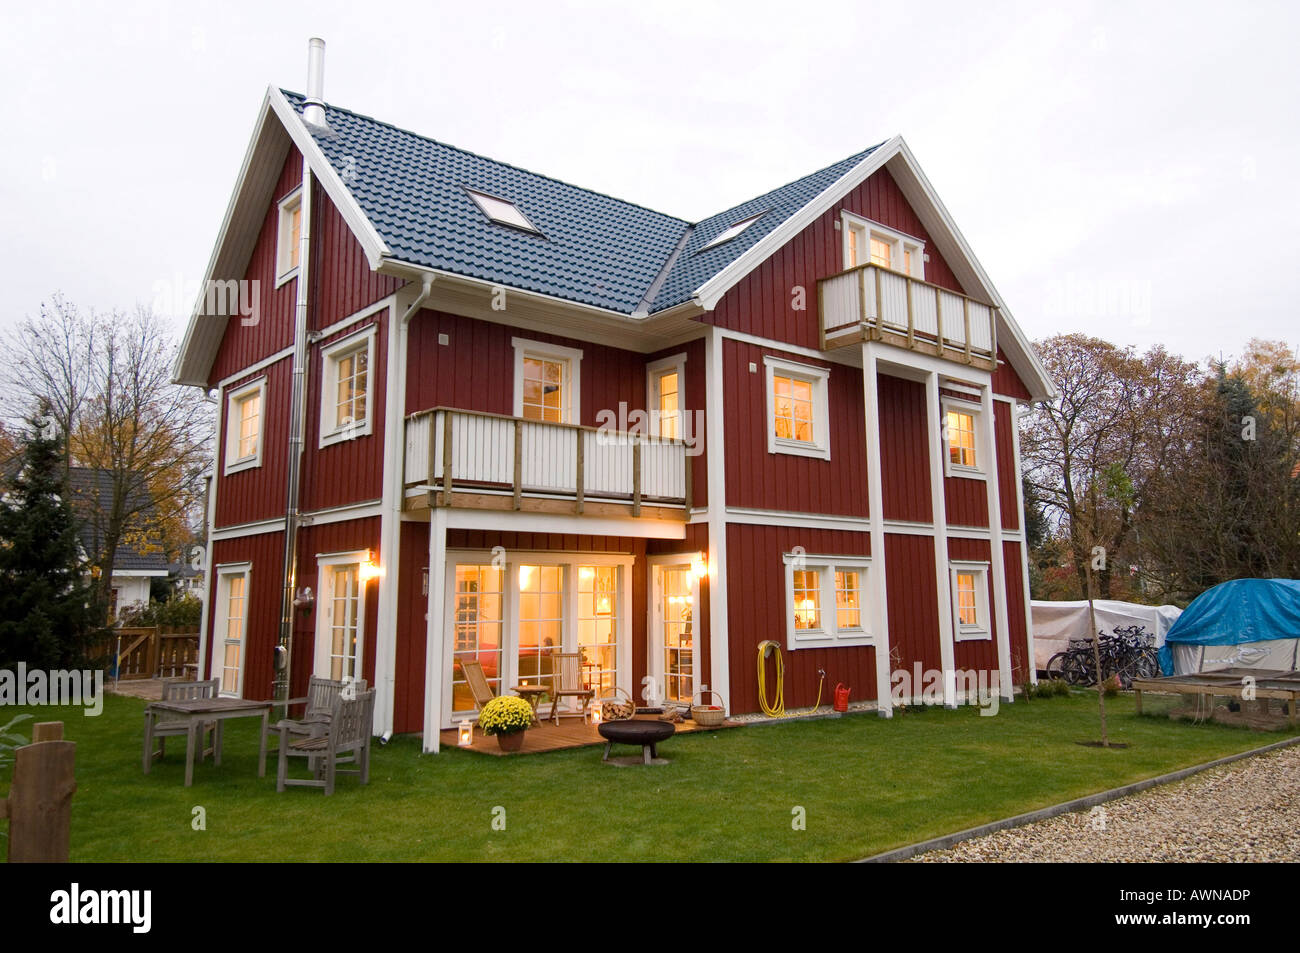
45	613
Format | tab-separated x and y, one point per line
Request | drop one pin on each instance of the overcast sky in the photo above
1127	169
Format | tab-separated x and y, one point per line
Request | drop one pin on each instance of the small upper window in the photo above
732	231
547	382
970	600
961	439
867	243
289	237
502	212
345	391
966	451
244	416
798	421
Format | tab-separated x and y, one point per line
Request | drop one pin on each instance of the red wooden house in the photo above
469	411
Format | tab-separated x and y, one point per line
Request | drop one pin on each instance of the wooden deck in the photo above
571	733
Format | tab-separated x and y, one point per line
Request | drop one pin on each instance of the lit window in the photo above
546	382
807	599
230	627
502	212
867	242
345	388
798	420
961	439
244	415
813	585
288	237
848	607
732	231
970	600
664	395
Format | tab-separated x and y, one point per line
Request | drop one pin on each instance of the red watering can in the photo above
841	697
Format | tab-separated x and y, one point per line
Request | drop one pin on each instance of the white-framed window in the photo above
970	600
502	211
868	242
798	414
245	424
665	395
826	601
547	382
347	382
965	450
340	614
231	627
288	237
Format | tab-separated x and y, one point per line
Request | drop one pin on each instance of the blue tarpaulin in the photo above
1236	613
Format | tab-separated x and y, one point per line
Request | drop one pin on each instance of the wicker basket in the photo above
708	716
619	707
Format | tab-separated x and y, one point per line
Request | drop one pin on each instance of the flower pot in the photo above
511	741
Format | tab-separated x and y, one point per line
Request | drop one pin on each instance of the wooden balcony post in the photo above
446	461
578	478
690	479
911	323
880	308
993	337
433	449
938	318
519	460
965	307
636	476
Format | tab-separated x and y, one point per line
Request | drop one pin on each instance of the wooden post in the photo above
938	318
911	323
39	806
993	337
880	307
519	460
578	475
433	448
446	461
636	476
965	309
689	480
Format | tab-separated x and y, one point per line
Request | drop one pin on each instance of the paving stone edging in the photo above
1067	807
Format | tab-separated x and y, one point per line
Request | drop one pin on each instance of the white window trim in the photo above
283	273
980	470
819	377
330	432
654	371
224	573
324	600
235	463
572	409
900	241
830	635
983	630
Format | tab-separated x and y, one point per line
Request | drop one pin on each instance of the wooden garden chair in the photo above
345	738
155	727
477	683
321	695
567	683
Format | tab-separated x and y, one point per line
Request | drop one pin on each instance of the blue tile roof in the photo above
594	249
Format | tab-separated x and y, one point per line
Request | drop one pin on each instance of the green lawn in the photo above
866	785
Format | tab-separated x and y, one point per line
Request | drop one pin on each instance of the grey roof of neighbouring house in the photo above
594	249
90	488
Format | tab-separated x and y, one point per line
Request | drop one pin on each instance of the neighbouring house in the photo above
531	417
139	559
185	579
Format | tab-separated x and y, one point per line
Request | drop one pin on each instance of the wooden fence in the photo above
39	804
151	652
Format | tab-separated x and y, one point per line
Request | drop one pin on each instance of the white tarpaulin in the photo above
1055	623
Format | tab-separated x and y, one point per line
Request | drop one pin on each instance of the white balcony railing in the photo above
873	303
462	450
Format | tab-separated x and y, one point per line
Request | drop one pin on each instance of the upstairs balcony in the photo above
470	459
871	303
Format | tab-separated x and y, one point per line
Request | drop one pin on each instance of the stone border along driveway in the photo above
1218	817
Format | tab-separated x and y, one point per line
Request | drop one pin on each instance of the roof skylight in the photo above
502	212
732	231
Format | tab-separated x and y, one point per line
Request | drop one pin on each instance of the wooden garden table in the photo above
198	711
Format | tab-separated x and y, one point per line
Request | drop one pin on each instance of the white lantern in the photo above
465	733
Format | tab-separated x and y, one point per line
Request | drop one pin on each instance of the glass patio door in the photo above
675	632
478	620
541	623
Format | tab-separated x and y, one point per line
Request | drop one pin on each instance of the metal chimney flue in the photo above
314	107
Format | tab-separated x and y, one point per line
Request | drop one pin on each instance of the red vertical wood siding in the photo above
342	282
966	502
1007	382
757	612
475	369
913	602
244	345
761	302
1013	559
1008	478
409	660
976	654
782	481
904	449
265	555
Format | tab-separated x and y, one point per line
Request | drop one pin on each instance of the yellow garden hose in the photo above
777	709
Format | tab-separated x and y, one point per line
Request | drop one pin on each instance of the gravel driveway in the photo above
1245	811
